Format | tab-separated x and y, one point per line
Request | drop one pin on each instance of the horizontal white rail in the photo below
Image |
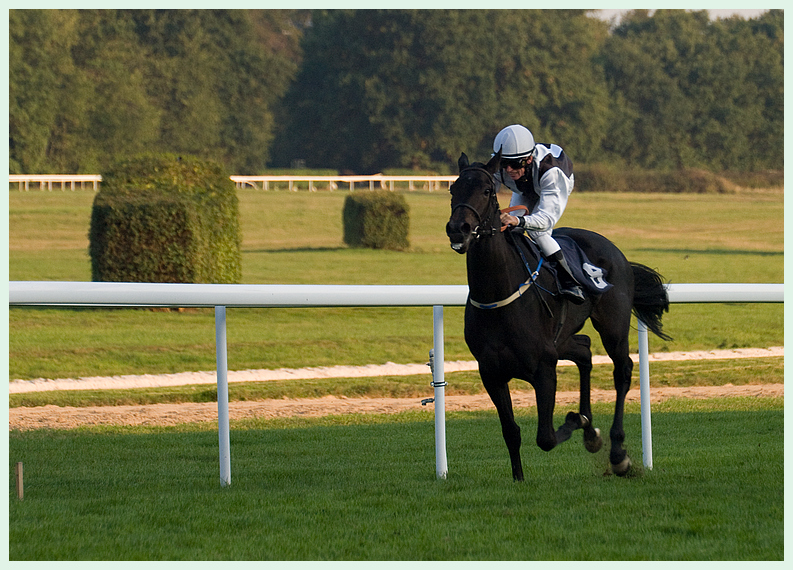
99	294
332	182
726	293
47	180
90	294
292	182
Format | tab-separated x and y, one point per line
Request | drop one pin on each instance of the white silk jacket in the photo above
552	183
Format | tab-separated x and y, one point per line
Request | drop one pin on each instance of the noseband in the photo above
479	231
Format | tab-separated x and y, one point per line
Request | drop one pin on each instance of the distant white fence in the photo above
89	294
431	183
46	181
331	183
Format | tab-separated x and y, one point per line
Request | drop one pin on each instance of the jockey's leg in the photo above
569	285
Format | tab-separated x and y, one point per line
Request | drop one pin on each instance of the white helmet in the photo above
515	141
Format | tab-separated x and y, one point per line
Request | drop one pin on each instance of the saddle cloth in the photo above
591	277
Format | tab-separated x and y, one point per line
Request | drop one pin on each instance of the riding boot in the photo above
568	285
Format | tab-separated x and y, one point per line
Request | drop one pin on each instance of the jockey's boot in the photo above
568	285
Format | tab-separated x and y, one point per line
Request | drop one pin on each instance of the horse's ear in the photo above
462	162
495	163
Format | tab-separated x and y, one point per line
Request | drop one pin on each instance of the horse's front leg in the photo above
498	390
544	383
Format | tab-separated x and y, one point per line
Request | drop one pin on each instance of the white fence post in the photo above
644	394
223	396
439	384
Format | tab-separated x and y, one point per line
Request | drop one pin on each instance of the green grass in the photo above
57	343
296	237
364	488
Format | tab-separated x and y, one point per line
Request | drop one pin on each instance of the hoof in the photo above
593	445
622	468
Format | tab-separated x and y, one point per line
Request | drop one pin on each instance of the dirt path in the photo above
371	370
172	414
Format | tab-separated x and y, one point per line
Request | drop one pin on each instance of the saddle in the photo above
591	277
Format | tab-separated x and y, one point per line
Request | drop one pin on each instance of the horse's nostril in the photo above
458	230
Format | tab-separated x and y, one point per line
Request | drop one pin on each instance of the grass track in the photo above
363	488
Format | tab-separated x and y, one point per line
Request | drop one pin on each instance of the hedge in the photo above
378	220
166	219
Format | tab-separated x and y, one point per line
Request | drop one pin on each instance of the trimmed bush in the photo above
166	219
377	220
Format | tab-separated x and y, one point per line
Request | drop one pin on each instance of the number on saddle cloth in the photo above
591	277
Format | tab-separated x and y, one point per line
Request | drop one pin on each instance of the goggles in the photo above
515	163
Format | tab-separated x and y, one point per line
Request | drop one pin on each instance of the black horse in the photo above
517	325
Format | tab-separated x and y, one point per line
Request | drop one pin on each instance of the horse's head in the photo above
474	203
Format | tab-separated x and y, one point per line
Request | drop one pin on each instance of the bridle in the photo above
492	206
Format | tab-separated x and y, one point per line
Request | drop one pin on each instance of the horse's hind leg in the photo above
618	350
577	349
498	390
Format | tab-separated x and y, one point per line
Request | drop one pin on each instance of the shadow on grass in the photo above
298	250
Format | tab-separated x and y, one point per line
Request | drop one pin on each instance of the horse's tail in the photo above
650	300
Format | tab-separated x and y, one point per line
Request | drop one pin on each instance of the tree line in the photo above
369	90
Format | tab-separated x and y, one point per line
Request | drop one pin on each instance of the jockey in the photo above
541	179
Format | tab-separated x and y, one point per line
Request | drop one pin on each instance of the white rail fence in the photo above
331	183
46	182
89	294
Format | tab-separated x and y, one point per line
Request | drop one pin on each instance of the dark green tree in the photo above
90	86
690	92
552	84
648	64
392	88
123	119
217	81
46	91
413	88
746	121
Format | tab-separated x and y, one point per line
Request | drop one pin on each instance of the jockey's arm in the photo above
555	188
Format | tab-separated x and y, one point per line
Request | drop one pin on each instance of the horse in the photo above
519	326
